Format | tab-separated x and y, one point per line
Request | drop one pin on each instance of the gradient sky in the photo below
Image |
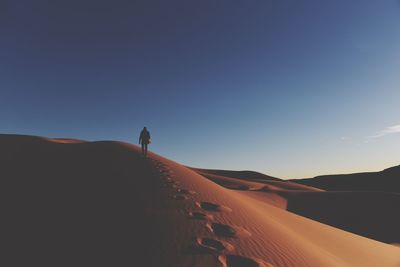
290	88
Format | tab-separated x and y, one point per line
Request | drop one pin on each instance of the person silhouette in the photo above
144	140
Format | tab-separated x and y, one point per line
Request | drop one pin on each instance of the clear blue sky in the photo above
289	88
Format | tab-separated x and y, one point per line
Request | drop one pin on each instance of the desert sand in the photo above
69	202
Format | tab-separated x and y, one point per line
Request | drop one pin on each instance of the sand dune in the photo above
370	214
244	175
266	190
233	181
372	200
102	204
387	180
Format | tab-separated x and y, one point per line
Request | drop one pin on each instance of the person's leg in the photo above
145	149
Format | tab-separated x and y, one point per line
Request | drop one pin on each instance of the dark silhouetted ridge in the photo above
387	180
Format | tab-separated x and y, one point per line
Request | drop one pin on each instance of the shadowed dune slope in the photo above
102	204
387	180
370	214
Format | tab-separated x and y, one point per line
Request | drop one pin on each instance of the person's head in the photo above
144	128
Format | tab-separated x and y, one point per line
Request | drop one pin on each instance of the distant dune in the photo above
74	203
245	175
387	180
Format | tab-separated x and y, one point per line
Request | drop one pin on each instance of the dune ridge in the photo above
387	180
101	203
